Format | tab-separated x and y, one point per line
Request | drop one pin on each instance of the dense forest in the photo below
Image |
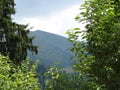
96	51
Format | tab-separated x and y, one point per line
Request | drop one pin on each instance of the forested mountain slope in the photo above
53	49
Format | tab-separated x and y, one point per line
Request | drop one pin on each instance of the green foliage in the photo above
14	40
13	77
56	79
98	53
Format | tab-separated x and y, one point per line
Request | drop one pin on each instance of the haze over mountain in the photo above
53	49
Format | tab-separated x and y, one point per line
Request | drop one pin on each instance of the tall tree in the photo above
99	53
14	37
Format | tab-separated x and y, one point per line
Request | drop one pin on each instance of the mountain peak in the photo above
41	31
52	48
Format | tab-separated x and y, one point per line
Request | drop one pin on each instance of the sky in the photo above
54	16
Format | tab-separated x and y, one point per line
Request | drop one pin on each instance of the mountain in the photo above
52	49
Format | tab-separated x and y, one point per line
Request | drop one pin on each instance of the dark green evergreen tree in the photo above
14	40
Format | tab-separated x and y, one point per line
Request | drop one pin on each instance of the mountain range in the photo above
52	49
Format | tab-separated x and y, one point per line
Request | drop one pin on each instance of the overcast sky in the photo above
55	16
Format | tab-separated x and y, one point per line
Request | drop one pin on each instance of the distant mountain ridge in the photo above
53	49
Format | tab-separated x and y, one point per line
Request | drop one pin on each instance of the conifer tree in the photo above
14	39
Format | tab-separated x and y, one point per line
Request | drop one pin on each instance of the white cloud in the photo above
58	22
